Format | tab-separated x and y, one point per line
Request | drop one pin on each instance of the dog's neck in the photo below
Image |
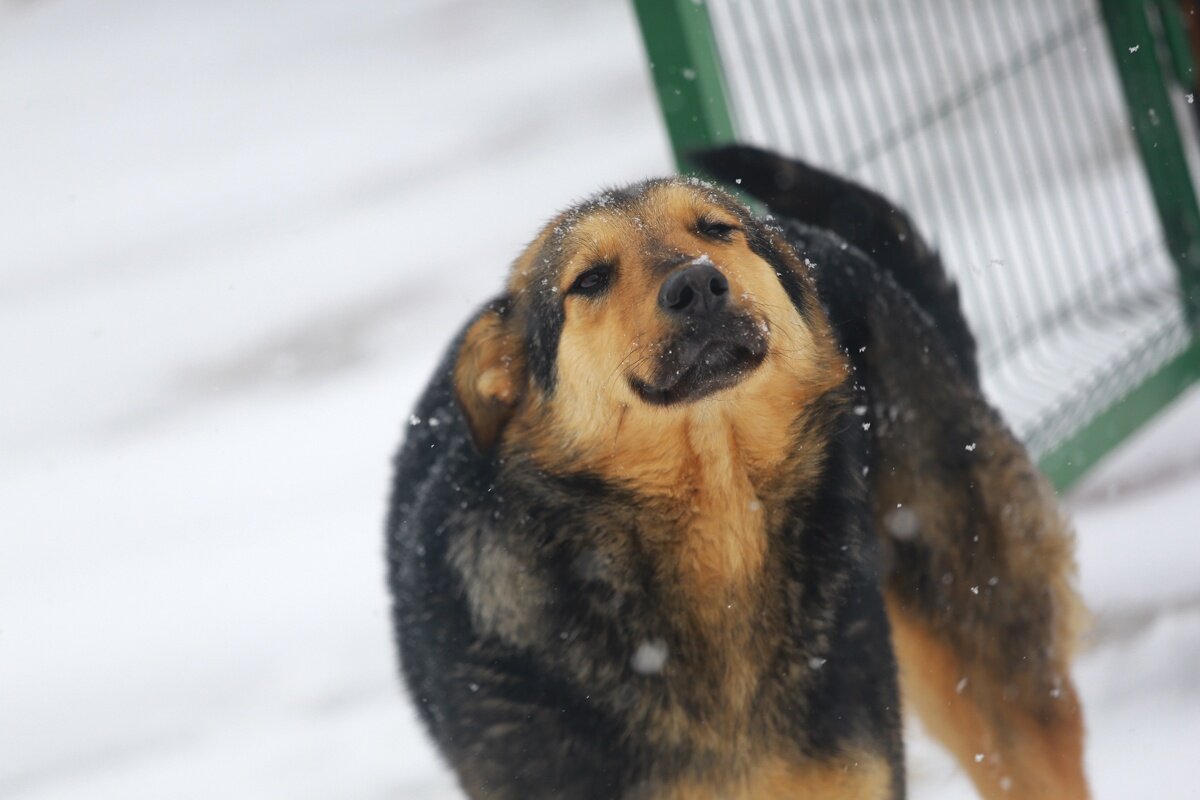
719	470
697	449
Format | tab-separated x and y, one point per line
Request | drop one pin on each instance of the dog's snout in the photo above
694	290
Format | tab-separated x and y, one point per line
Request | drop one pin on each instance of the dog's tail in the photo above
865	219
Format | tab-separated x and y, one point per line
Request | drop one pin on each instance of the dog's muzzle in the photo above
714	345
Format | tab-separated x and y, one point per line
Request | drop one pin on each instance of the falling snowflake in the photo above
902	523
649	657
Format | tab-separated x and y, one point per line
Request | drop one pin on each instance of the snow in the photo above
235	238
650	657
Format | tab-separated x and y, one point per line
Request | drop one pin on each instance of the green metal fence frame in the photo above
1148	49
1146	61
687	75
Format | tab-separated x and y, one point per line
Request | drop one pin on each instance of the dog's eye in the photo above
592	281
715	229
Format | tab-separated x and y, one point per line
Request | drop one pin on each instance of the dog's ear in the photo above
489	373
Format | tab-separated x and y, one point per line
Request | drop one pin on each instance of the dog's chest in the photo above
724	602
722	537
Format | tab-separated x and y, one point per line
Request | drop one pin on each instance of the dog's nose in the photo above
695	290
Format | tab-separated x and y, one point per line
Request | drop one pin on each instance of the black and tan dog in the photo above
662	499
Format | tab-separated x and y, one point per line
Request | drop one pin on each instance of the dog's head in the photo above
660	299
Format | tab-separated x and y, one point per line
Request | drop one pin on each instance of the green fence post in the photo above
687	74
1136	54
1178	45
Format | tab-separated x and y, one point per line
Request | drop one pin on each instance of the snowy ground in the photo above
234	237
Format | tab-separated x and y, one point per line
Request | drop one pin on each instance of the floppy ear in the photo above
489	373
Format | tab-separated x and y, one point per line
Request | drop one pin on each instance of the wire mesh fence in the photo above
1001	126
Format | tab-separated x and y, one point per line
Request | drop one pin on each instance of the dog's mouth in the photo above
704	360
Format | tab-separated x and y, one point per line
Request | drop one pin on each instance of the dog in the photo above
688	508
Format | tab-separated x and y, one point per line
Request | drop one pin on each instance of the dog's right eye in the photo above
592	281
715	229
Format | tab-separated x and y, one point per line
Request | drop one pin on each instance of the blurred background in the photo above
234	238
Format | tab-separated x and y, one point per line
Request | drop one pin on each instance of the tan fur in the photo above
488	377
773	778
1029	750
